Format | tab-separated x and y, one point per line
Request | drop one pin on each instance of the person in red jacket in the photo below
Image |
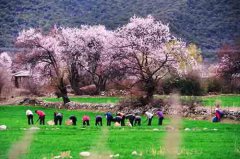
41	116
86	120
218	113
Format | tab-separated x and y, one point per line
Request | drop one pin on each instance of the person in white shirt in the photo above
29	114
149	117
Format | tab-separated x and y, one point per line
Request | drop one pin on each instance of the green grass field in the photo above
217	141
225	100
87	99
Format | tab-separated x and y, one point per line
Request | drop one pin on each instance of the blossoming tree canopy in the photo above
44	54
5	70
100	54
90	47
5	60
229	64
150	51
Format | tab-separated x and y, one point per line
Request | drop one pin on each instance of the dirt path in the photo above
172	140
100	149
21	147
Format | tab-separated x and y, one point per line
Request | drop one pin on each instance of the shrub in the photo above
189	85
214	85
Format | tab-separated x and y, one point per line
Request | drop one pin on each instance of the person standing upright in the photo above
109	118
160	116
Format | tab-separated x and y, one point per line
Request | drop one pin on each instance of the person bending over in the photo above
73	119
86	120
98	120
41	116
58	117
29	114
131	118
122	115
137	120
149	117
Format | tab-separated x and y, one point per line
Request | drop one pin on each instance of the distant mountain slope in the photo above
208	23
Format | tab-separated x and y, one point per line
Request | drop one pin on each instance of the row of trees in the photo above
143	50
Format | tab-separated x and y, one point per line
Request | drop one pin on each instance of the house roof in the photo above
24	73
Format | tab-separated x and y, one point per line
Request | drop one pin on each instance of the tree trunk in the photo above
149	87
74	79
63	91
65	98
100	85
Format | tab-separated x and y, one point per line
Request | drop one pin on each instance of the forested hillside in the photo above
208	23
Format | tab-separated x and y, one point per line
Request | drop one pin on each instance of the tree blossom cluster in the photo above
5	70
5	60
143	48
229	65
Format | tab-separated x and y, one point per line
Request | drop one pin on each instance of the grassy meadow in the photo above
203	140
93	100
224	100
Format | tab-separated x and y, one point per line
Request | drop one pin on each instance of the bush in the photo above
214	85
189	85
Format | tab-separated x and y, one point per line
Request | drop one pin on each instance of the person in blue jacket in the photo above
109	118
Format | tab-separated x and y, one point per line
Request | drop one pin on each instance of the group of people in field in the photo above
118	120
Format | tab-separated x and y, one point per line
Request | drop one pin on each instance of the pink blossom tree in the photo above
150	52
229	66
73	53
89	49
43	54
5	70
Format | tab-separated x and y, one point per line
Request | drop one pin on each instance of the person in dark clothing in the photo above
117	119
137	120
29	114
41	116
109	118
74	119
58	117
98	120
131	118
122	115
